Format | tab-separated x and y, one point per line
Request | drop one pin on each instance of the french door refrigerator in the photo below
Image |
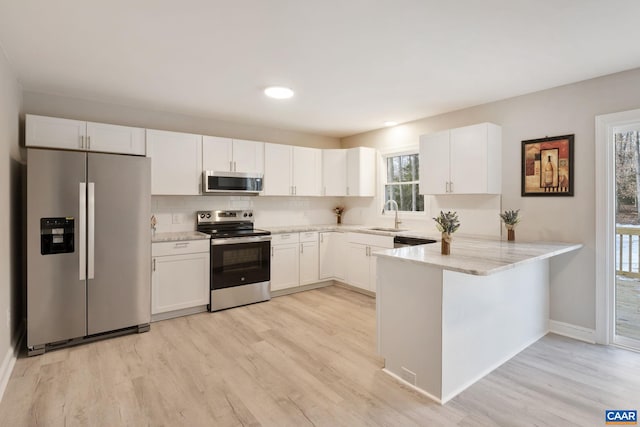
88	246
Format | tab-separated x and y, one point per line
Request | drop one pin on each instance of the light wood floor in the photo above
301	360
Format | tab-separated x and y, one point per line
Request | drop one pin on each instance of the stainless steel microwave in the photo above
232	182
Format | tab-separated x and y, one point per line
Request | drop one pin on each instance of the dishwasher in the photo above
402	241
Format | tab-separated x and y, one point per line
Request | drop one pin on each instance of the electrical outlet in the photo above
408	376
176	218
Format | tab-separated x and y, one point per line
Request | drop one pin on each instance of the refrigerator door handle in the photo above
82	230
91	230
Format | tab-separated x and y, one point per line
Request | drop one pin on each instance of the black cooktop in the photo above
225	234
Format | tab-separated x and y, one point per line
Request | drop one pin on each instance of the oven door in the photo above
240	261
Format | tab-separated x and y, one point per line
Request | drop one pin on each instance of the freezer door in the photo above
56	291
119	242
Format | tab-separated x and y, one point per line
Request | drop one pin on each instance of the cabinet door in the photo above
339	241
469	159
52	132
179	281
248	156
358	265
176	162
334	172
307	171
217	154
372	267
277	170
284	266
361	172
326	255
115	139
309	262
434	163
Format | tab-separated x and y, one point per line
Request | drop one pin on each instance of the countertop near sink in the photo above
344	228
178	236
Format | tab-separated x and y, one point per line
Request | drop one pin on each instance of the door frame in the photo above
605	222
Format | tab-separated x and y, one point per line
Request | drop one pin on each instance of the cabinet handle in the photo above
234	166
301	248
450	187
322	238
182	245
272	252
154	264
81	141
89	142
230	166
295	190
285	236
347	190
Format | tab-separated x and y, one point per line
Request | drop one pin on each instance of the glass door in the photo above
627	236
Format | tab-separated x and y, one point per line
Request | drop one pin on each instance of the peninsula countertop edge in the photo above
479	257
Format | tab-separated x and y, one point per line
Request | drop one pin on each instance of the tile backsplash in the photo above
177	213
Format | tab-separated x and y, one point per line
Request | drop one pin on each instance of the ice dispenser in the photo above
56	235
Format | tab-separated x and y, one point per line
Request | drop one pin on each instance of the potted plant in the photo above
510	218
447	224
338	210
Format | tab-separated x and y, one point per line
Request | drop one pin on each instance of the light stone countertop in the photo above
178	236
479	257
350	228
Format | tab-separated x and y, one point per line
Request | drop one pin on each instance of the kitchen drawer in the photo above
279	239
308	236
180	247
370	239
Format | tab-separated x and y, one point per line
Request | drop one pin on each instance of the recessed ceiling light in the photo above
278	92
390	123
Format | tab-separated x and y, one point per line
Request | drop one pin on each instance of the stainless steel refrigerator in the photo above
88	246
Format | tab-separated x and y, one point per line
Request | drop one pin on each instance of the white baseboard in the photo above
8	362
573	331
412	387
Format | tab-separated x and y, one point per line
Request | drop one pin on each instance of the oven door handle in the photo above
240	240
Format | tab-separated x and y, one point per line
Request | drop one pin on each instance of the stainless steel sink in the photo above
390	229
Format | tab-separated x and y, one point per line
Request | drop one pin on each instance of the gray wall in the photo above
563	110
80	109
11	212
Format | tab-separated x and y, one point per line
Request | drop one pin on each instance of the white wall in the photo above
81	109
11	184
564	110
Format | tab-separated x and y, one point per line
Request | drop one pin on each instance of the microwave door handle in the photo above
91	231
82	231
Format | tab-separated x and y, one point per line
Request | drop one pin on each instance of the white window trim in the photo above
382	180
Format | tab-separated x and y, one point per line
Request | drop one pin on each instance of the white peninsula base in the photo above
441	330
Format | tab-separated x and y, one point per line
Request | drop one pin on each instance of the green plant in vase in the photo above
511	218
447	223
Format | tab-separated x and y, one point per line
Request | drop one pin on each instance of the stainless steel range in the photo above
240	258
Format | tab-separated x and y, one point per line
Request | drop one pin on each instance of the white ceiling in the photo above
353	63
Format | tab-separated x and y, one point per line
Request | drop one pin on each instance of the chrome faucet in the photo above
393	203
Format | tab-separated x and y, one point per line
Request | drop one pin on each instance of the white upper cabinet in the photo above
350	172
464	160
292	171
232	155
53	132
361	172
277	170
115	139
334	172
176	162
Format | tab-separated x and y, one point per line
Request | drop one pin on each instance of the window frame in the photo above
395	152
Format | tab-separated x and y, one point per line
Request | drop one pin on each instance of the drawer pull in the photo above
181	245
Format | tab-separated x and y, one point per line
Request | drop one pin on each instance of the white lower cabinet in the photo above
285	253
361	264
309	272
180	276
332	255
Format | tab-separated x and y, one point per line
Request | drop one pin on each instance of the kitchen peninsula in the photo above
445	321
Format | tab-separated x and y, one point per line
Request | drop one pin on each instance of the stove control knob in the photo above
201	215
250	214
208	215
245	214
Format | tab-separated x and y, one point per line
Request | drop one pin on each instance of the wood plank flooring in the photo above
306	359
